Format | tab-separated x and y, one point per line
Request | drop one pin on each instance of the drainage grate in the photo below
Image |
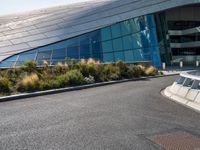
177	141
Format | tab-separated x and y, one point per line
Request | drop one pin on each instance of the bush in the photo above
89	80
111	72
29	83
29	66
123	69
5	85
60	68
151	71
73	77
49	84
135	71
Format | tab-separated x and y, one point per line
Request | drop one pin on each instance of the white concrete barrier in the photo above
192	94
182	92
186	90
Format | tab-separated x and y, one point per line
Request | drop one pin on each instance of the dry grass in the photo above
91	61
151	71
83	61
30	79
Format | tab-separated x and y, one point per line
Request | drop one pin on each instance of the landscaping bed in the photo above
30	78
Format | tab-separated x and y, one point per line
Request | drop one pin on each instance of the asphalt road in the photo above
121	116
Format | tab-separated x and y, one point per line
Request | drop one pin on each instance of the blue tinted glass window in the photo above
107	46
137	42
147	57
44	56
13	58
84	39
119	56
145	35
10	62
60	45
146	50
73	42
156	56
126	27
150	20
106	34
96	47
127	42
73	52
85	51
108	57
45	48
116	31
153	37
135	25
128	56
95	36
143	22
97	56
27	56
7	64
117	44
138	55
59	54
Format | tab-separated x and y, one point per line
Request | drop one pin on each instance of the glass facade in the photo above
132	41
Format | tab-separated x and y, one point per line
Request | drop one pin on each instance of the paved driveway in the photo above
121	116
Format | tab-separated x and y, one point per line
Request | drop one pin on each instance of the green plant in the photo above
135	71
5	85
89	80
123	69
29	66
49	84
60	68
111	72
73	77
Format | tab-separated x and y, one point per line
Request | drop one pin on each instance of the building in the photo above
150	31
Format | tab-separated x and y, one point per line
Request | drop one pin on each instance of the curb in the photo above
68	89
184	102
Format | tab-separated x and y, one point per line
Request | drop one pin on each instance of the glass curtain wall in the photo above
132	41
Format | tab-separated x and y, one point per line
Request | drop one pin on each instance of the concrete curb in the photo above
68	89
185	102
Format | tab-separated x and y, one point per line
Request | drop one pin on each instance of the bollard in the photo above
164	66
181	64
197	63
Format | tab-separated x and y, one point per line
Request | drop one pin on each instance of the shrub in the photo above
123	69
151	71
29	83
111	72
142	70
135	71
11	74
29	66
49	84
73	77
89	80
5	85
60	68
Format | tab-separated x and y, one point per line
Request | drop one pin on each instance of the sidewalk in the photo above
177	70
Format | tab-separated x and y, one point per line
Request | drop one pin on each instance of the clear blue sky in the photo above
13	6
